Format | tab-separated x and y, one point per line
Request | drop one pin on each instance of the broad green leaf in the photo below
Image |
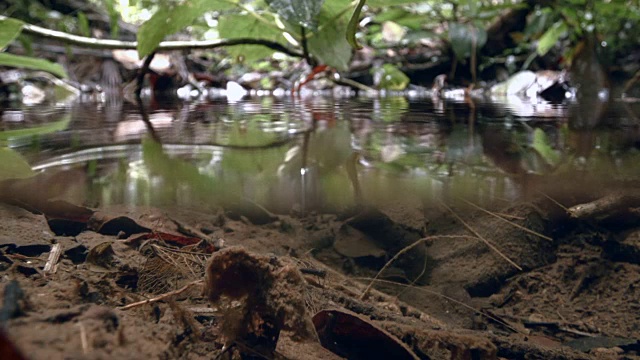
240	26
543	148
329	44
391	78
402	17
551	37
13	165
172	18
9	30
26	62
353	25
301	12
464	38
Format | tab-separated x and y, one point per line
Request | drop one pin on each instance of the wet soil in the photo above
460	284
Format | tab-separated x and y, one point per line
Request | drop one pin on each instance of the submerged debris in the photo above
263	294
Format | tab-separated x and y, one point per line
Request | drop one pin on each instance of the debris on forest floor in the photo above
266	294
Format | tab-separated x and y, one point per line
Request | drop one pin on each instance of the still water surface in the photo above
326	153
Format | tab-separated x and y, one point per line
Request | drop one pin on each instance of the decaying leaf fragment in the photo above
263	295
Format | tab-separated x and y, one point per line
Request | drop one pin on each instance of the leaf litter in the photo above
281	290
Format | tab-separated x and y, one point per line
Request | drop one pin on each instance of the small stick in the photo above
161	297
458	302
317	272
509	216
553	201
508	221
83	338
142	72
52	263
489	244
404	250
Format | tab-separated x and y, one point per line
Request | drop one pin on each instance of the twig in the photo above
509	216
315	272
141	73
606	206
88	42
161	297
489	244
404	250
143	112
458	302
305	48
351	83
52	263
508	221
83	338
553	200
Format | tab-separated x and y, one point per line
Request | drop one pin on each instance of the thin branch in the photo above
487	242
88	42
305	48
162	297
406	249
448	298
553	201
140	78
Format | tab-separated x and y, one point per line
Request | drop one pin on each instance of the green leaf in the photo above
551	37
329	44
114	16
172	18
239	26
353	25
83	24
301	12
543	148
25	62
464	38
386	3
391	78
9	30
13	165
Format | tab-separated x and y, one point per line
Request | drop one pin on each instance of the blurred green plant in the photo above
9	30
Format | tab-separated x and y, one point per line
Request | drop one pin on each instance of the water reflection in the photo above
326	153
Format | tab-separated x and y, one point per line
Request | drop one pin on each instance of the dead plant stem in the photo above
161	297
508	221
435	293
474	232
404	250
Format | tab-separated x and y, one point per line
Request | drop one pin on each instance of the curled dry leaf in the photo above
353	337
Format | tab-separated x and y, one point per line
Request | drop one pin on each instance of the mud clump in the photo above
263	295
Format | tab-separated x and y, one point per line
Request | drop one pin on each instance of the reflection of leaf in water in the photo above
542	146
391	109
248	133
48	128
178	173
13	165
167	269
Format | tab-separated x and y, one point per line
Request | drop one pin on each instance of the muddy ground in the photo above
472	286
